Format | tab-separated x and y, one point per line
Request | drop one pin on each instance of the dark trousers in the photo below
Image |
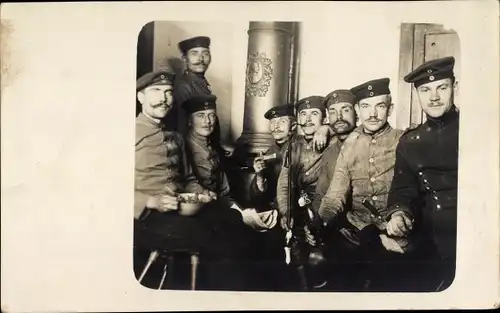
216	232
370	267
266	260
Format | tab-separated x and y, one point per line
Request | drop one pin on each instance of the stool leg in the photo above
163	276
194	270
151	259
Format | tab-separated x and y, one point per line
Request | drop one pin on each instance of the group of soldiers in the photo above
336	206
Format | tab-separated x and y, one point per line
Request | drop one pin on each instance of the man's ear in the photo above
141	96
455	87
391	107
293	126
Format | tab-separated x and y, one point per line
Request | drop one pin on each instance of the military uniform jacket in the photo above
208	165
365	168
306	163
160	161
186	86
267	197
425	180
329	160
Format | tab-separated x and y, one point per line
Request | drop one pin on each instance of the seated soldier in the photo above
162	171
296	188
209	167
364	170
268	247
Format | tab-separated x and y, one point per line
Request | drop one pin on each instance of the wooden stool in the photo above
169	255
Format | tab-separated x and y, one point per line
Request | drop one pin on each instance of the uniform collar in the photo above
446	118
190	73
201	140
149	120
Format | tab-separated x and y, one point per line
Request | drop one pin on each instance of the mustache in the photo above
200	63
164	103
306	124
341	122
373	120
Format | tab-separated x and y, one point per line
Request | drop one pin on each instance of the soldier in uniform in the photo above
282	124
301	172
161	171
209	167
364	170
425	178
197	58
267	248
342	118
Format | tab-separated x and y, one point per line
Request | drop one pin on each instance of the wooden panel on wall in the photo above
402	108
413	52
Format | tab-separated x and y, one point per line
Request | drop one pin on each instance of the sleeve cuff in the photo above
399	208
143	214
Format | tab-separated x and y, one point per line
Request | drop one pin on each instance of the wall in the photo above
225	45
333	54
342	53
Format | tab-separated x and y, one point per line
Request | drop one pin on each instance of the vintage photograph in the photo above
312	179
250	155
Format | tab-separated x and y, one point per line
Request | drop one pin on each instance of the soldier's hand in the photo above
163	203
168	203
211	194
309	237
399	225
259	164
390	244
320	138
284	223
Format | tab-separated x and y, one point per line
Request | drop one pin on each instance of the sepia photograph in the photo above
350	187
250	155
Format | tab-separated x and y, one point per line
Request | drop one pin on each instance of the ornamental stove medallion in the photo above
259	74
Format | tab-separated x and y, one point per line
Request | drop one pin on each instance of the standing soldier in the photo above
364	170
425	179
192	83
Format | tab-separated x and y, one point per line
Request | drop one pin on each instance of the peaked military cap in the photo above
194	42
340	96
312	102
279	111
160	77
199	103
372	88
431	70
